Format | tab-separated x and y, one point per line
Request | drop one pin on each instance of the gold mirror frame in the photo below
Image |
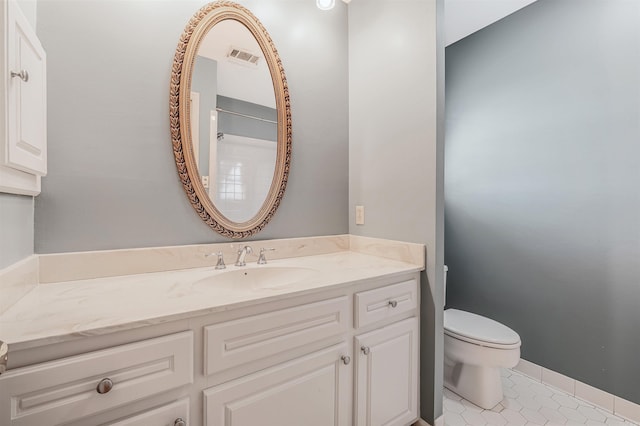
180	118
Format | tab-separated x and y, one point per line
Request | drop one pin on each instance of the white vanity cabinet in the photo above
325	387
23	107
342	356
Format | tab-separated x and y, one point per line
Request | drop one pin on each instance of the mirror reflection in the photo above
233	120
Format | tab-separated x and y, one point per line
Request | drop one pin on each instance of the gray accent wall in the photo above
542	185
243	126
112	179
16	228
395	154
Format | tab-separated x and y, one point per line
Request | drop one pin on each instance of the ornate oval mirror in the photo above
230	119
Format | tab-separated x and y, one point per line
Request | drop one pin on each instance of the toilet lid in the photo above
479	330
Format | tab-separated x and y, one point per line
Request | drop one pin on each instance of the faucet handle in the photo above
220	264
262	259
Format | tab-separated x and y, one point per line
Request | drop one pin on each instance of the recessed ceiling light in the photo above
325	4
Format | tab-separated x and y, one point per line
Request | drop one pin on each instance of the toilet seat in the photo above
479	330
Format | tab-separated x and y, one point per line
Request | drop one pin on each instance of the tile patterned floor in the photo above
527	402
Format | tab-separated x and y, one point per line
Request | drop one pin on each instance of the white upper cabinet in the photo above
23	157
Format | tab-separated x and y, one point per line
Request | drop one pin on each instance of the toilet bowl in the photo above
475	349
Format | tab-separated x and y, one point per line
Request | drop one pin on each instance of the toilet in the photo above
475	348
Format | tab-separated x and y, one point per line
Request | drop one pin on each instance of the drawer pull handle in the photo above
346	359
23	74
365	350
104	386
393	303
179	422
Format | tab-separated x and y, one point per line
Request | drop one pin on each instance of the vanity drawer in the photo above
234	343
385	302
64	390
167	415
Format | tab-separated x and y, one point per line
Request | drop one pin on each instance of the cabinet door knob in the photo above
346	359
179	422
104	386
365	350
23	74
393	303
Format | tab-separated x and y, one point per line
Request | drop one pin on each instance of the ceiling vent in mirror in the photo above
243	57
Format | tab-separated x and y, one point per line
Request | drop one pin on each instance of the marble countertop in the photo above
63	311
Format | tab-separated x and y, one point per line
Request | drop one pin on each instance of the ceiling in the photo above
465	17
235	79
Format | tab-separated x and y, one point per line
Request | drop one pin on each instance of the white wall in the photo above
394	161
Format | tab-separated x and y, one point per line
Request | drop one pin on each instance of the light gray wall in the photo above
542	185
16	228
395	165
112	180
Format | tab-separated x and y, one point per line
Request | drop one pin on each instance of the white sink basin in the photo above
257	278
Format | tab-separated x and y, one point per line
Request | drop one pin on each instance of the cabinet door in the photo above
27	96
314	390
387	375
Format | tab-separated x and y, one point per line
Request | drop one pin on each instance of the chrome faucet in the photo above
242	254
262	259
220	264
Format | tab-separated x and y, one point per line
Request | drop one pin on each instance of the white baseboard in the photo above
609	402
